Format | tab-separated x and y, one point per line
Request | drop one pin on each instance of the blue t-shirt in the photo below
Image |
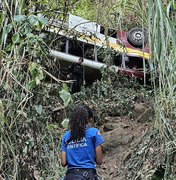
81	154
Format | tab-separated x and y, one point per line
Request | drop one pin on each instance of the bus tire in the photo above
136	36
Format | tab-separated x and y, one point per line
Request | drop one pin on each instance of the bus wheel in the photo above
137	36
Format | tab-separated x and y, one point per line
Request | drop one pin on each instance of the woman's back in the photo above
81	153
81	146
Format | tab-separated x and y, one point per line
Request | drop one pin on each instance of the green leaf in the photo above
25	150
22	113
65	87
27	30
32	19
32	84
30	143
42	20
1	106
52	127
16	38
39	109
66	97
9	28
65	123
32	66
40	75
3	120
30	35
37	80
37	25
9	47
19	18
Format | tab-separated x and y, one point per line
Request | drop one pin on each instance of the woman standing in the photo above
81	147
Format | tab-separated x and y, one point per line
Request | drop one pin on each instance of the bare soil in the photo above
122	136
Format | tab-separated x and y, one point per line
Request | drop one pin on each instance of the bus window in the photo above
75	48
62	42
107	54
137	63
89	51
102	30
58	42
100	54
117	61
112	33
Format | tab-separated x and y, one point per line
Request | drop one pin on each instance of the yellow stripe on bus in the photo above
116	47
119	48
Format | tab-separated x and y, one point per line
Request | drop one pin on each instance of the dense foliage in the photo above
30	125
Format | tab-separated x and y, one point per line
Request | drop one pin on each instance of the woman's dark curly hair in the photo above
89	110
78	122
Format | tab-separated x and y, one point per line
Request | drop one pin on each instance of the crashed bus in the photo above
82	38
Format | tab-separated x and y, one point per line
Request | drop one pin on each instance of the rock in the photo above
58	114
112	119
108	127
124	126
115	138
142	114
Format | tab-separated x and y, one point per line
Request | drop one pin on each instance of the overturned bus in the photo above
81	38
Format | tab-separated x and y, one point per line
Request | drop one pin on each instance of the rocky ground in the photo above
122	135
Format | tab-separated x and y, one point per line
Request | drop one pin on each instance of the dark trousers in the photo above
81	174
76	86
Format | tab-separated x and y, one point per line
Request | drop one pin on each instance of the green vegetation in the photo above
163	45
29	129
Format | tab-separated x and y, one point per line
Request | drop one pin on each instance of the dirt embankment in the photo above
122	136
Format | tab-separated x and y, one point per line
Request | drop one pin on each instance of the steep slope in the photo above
122	137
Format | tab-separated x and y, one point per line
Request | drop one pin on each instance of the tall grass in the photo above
163	55
28	136
29	139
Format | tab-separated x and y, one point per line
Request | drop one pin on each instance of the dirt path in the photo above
121	137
